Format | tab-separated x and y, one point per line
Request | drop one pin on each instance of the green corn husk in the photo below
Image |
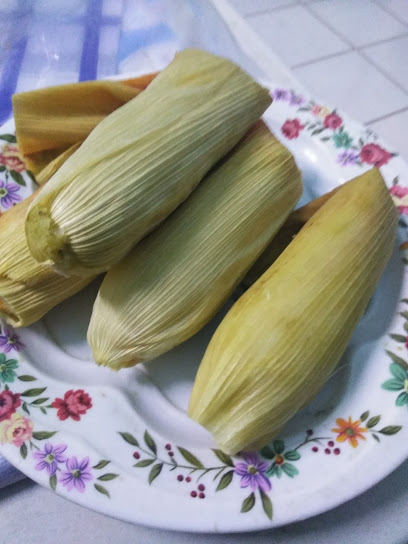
141	162
27	289
281	341
175	280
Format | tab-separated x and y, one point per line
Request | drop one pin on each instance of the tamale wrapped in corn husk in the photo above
27	289
171	284
281	341
141	162
51	120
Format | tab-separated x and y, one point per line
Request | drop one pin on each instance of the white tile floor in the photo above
351	53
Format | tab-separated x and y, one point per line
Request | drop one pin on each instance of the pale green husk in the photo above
174	281
281	341
141	162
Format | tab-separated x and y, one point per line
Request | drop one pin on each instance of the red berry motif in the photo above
171	453
201	487
201	495
336	451
188	479
180	478
193	494
309	432
168	446
330	443
327	451
315	449
136	455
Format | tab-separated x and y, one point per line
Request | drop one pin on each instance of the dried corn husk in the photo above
296	220
142	161
280	342
174	281
27	289
51	120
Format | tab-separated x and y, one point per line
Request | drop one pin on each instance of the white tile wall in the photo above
360	22
296	35
350	53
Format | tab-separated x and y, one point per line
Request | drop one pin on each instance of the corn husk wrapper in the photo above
141	162
49	121
174	281
27	289
281	341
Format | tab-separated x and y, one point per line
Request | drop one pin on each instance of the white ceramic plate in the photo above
122	443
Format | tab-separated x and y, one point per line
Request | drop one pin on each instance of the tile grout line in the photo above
382	71
271	10
383	117
325	57
392	14
382	42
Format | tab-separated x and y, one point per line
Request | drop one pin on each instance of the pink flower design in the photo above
16	430
11	158
9	402
375	155
400	197
333	121
291	128
73	405
252	472
316	109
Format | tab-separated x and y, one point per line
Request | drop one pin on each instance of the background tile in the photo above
360	22
394	130
392	58
296	35
352	83
246	7
398	7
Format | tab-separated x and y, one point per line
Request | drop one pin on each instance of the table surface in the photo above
331	46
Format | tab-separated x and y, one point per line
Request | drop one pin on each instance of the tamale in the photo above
141	162
281	341
51	120
174	281
27	290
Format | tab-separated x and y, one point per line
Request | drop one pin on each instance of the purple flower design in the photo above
49	457
252	472
76	475
8	194
280	94
296	99
347	157
9	340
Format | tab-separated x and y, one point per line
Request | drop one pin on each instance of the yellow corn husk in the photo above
51	167
281	341
49	121
295	221
141	162
27	289
174	281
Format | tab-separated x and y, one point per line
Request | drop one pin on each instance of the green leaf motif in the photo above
10	138
33	392
402	399
102	490
26	378
274	470
248	503
25	408
190	458
399	338
266	504
156	469
130	439
43	410
289	469
17	177
404	314
372	422
53	482
391	429
267	452
398	372
392	385
375	437
364	416
101	464
144	463
397	359
225	480
325	138
23	450
43	435
317	131
107	477
292	455
342	139
224	458
150	443
278	446
39	401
